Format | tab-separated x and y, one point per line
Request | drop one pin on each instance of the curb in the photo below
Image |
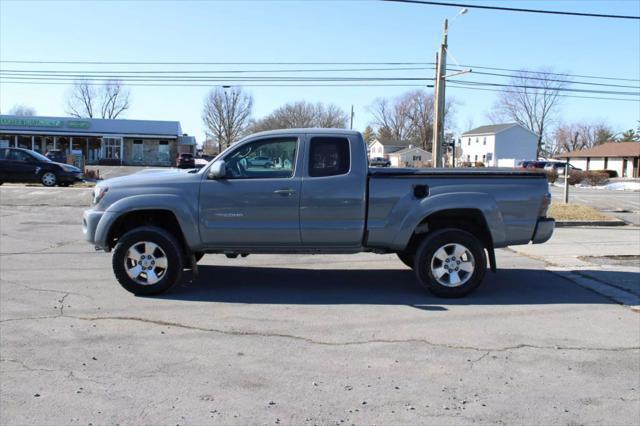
569	223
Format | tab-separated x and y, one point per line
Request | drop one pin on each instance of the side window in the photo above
263	159
329	156
3	153
16	155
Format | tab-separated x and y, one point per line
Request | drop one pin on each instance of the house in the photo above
382	148
412	156
623	157
499	145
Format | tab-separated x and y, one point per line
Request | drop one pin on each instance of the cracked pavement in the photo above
301	339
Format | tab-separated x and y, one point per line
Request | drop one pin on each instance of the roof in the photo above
88	126
413	148
392	142
608	149
489	129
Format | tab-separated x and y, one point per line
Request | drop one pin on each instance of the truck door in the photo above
333	200
256	204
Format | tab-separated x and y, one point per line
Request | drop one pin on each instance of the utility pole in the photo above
566	181
439	104
351	125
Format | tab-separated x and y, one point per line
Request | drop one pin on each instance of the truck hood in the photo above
151	177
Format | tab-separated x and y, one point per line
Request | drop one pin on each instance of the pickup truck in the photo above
319	196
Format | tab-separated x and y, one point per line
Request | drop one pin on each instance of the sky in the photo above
318	31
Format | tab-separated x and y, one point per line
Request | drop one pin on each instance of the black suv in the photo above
23	165
379	162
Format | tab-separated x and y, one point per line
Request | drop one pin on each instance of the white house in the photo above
499	145
623	157
412	156
382	148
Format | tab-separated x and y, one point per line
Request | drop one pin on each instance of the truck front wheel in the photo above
147	261
450	262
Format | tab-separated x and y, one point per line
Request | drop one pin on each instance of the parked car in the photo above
535	164
379	162
559	167
443	223
56	155
260	162
186	161
24	166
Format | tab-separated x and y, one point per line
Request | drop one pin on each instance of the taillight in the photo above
546	202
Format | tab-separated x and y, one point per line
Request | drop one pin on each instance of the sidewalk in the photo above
605	260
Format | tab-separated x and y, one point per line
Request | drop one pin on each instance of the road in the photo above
300	339
610	202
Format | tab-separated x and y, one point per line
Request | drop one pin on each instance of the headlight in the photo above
98	193
68	168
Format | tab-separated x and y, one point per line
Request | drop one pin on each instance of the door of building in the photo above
111	148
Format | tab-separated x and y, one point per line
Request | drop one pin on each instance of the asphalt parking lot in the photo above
624	205
305	339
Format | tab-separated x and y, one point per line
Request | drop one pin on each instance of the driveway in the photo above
298	339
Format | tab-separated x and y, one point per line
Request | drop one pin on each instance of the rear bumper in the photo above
544	230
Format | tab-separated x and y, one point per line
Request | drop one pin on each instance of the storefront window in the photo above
163	152
138	151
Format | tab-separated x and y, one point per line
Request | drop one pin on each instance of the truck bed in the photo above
448	172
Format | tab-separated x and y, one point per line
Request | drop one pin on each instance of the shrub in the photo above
478	164
590	177
92	174
464	164
610	173
552	175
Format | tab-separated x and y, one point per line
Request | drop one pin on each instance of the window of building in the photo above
417	158
263	159
111	148
606	162
469	143
329	156
163	151
484	140
476	159
484	158
468	158
477	139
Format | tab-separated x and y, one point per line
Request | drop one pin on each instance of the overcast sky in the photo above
322	31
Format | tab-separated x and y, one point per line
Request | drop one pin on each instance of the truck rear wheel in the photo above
147	261
450	262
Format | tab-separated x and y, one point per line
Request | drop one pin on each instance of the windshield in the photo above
39	156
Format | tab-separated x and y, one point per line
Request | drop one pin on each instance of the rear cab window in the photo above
329	156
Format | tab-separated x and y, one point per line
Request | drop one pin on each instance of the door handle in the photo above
284	192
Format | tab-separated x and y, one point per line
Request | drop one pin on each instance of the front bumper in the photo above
544	230
70	177
90	220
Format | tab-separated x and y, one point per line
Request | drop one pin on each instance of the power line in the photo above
211	63
558	89
225	85
123	72
222	78
515	9
453	85
521	70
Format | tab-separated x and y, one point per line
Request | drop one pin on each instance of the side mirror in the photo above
218	170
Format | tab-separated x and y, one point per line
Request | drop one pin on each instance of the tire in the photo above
407	258
49	179
140	242
450	263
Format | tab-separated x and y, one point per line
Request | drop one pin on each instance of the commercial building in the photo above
99	141
499	145
622	157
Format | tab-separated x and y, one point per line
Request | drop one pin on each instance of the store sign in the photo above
78	124
32	122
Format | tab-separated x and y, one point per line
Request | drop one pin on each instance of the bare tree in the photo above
392	118
226	114
580	135
408	117
303	115
22	111
86	99
532	101
114	100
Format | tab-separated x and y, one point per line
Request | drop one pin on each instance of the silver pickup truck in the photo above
316	194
